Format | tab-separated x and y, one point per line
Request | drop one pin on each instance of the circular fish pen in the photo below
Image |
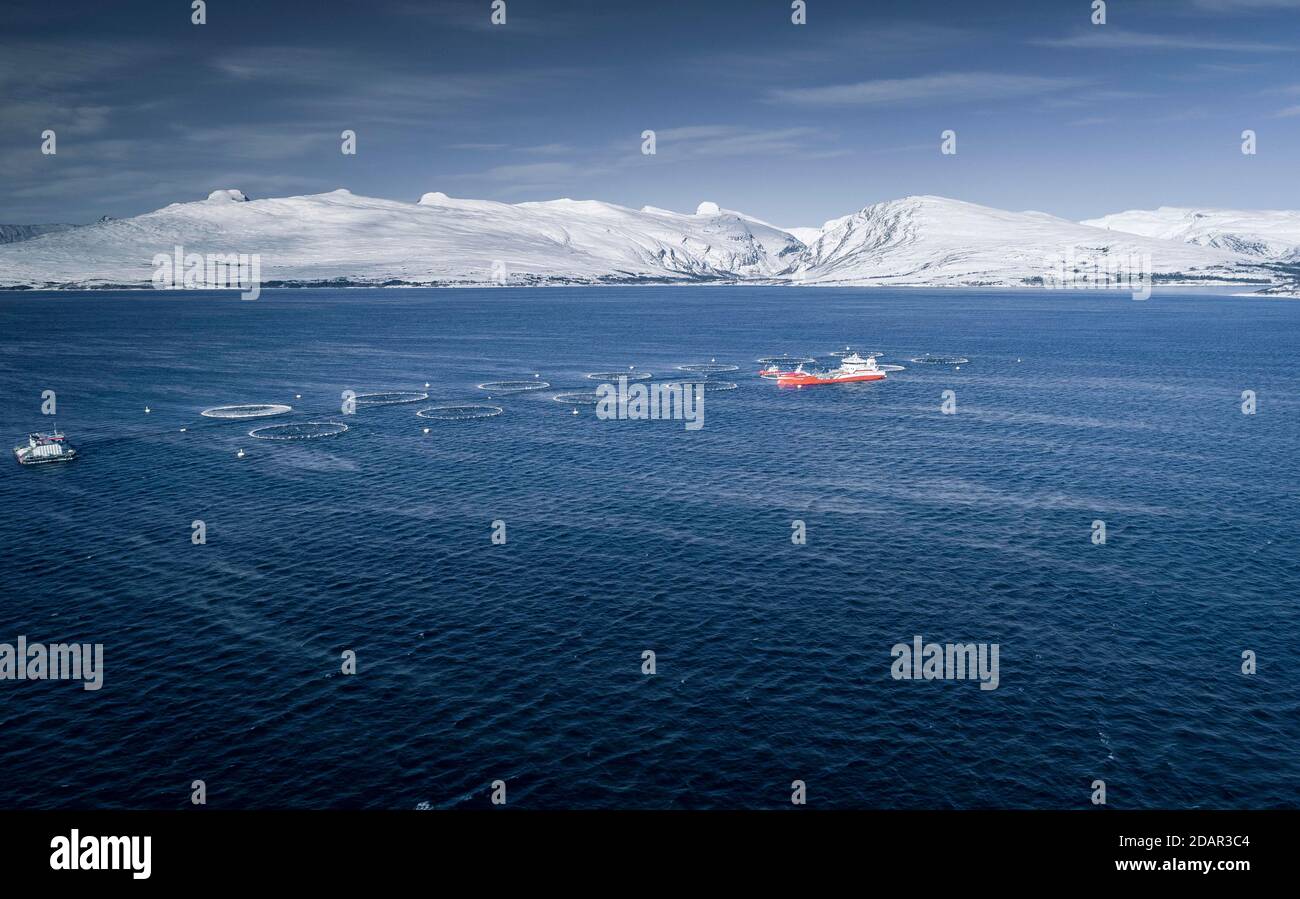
615	375
785	360
931	359
584	398
252	410
708	368
394	398
708	386
459	413
513	386
304	430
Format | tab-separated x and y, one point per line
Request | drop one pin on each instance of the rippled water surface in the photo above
523	661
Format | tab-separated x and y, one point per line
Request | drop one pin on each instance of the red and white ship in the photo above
853	368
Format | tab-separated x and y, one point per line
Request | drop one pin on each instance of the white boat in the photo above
45	448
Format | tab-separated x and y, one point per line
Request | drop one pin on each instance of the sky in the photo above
792	124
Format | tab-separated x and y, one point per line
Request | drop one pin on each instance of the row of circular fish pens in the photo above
445	412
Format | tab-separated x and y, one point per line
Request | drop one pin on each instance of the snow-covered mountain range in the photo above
343	238
1262	233
19	233
940	242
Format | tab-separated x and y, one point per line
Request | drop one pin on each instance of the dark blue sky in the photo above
793	124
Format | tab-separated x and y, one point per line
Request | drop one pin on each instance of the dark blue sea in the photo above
522	662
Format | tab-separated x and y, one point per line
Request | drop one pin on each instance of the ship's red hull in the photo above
803	379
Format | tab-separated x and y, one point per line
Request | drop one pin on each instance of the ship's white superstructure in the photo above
44	448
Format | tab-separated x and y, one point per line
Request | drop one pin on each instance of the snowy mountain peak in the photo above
1272	234
227	196
946	242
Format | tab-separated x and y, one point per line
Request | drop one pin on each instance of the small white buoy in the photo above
239	455
147	410
426	383
297	396
575	411
426	430
536	374
958	368
1017	360
182	430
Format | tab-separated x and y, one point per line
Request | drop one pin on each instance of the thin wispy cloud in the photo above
1094	97
319	82
261	142
522	20
45	65
1110	38
821	49
954	87
553	149
733	140
532	173
683	144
